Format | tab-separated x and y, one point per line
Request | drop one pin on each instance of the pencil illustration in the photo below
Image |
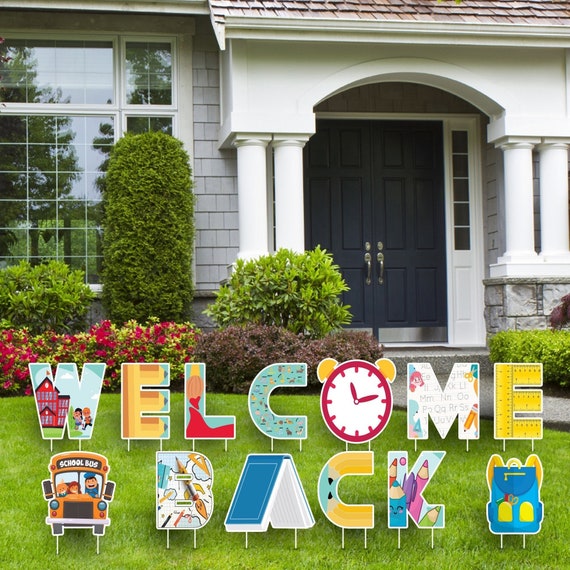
191	491
430	518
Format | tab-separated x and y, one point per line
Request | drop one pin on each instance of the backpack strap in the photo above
534	461
494	461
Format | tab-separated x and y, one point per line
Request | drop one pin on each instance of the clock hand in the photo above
353	392
368	398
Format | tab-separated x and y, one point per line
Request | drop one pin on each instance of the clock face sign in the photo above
356	401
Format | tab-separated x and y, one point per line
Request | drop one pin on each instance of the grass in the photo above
132	541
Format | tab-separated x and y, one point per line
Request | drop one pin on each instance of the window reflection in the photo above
50	196
139	125
52	165
149	73
56	71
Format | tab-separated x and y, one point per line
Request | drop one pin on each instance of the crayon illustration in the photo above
430	518
393	472
397	511
407	490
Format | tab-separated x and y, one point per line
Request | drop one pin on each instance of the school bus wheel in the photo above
57	529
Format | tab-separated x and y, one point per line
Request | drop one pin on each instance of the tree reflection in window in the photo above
149	73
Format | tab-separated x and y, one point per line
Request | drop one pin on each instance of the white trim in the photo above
465	269
144	6
309	28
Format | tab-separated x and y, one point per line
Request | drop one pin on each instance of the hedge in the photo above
551	347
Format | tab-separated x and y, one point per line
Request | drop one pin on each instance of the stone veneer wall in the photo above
522	303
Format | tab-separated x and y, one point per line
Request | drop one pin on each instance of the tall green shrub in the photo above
297	291
148	230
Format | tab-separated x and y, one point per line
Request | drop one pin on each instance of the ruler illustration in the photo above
514	400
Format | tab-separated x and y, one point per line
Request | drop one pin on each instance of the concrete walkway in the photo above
556	410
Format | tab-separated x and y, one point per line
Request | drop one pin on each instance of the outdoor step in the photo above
440	358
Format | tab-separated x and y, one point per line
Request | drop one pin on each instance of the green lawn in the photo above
132	541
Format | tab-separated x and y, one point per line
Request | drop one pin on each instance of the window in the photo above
66	72
148	73
460	174
62	113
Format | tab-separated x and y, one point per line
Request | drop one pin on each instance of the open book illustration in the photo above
269	492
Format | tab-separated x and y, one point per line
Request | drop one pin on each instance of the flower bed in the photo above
104	342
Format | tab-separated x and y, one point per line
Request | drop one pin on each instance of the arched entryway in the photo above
388	191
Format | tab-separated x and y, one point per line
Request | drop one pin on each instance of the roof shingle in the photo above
534	12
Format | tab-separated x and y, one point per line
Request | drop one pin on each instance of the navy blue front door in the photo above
374	197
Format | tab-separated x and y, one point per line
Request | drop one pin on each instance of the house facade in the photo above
425	144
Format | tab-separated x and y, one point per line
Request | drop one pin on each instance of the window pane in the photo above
460	165
149	73
461	214
50	197
461	190
139	125
460	173
55	71
459	142
462	239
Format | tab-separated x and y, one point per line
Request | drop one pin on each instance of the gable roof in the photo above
533	13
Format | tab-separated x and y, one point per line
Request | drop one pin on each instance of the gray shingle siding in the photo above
215	171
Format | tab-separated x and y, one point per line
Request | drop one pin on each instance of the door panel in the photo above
374	198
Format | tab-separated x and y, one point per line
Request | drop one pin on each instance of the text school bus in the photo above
78	492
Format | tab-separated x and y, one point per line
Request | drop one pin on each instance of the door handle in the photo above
368	261
380	258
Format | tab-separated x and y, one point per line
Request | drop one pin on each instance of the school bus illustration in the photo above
78	492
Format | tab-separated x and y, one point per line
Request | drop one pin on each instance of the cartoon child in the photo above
416	380
73	488
61	489
87	419
414	425
77	418
91	485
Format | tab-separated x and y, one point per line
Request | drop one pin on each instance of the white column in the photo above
519	222
289	211
554	201
252	196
